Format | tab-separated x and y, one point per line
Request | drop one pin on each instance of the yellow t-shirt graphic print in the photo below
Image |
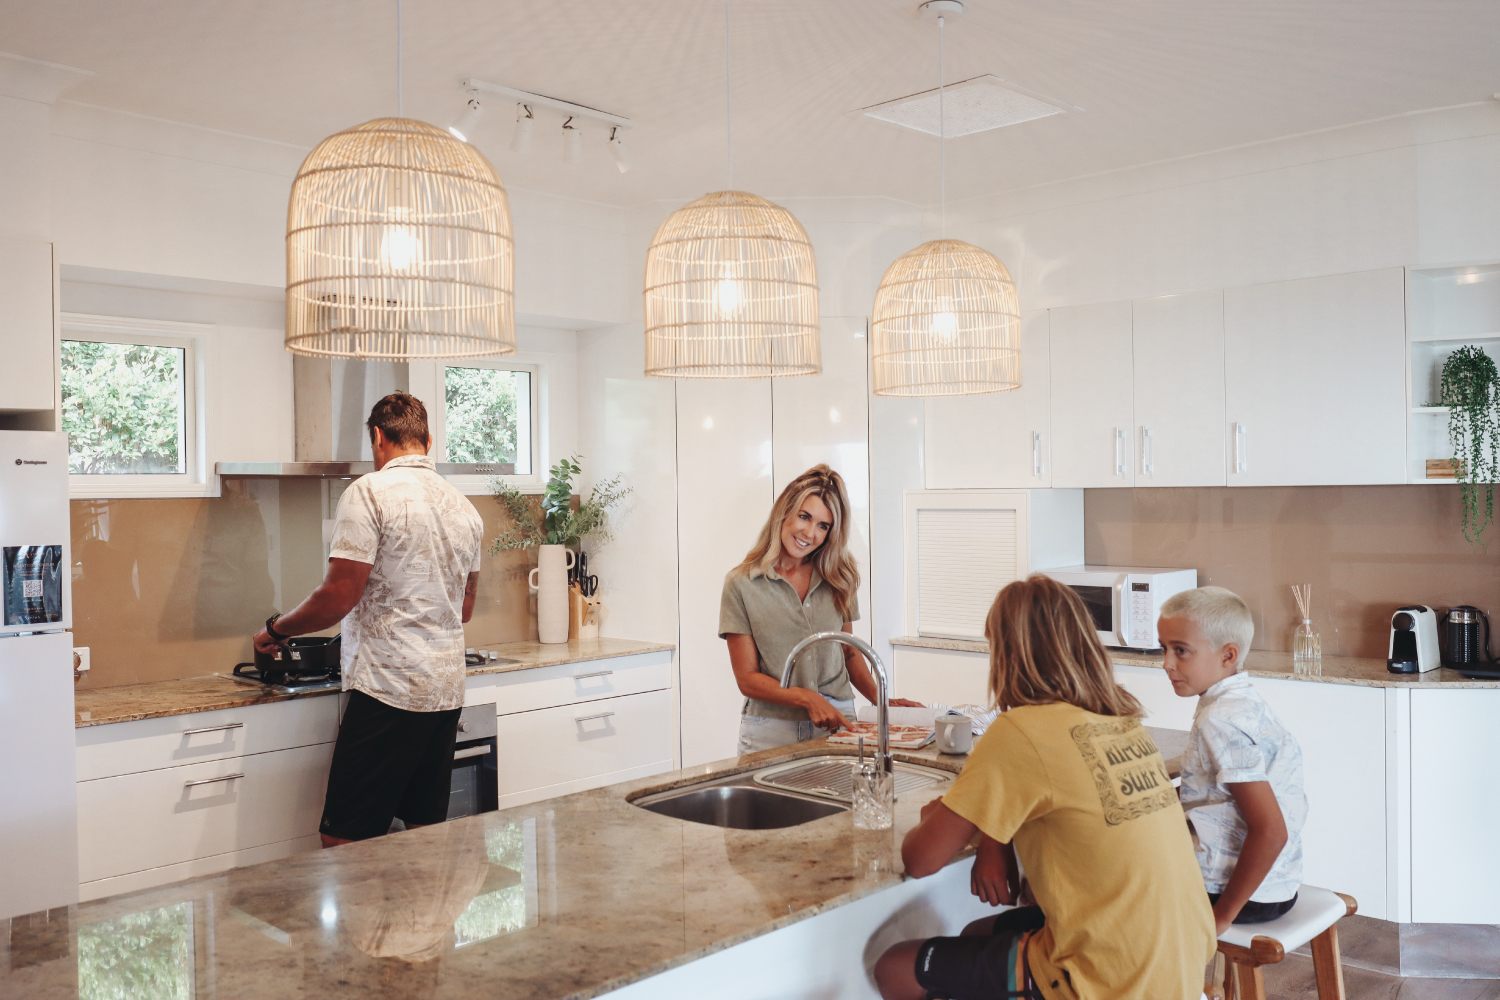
1087	802
1128	770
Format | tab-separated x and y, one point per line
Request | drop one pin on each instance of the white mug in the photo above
955	733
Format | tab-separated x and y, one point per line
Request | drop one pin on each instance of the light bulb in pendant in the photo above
729	295
400	249
945	325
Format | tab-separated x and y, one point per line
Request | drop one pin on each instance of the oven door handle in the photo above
213	729
470	752
1121	622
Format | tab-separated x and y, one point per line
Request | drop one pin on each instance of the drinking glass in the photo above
874	798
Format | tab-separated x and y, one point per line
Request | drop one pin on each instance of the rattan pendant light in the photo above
946	320
731	287
399	247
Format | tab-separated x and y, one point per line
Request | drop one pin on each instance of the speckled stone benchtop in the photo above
567	898
1264	663
128	702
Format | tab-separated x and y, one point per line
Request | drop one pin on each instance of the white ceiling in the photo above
1158	78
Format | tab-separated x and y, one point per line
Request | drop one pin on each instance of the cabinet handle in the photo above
596	673
1036	454
470	752
213	729
1119	452
210	781
1148	452
1241	446
591	718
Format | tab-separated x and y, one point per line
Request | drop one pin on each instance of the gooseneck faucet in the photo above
883	748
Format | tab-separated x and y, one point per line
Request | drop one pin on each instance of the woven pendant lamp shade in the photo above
398	246
731	292
946	323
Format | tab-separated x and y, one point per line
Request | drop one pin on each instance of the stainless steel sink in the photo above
739	807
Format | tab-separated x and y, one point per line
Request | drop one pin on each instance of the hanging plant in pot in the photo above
1469	390
554	534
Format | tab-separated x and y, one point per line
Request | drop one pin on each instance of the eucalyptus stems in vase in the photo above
1468	388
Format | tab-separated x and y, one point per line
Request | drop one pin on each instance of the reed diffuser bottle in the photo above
1307	646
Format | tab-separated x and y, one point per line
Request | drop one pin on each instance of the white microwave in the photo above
1125	601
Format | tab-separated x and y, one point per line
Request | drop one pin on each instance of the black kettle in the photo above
1466	643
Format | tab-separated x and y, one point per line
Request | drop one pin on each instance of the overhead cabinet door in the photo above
27	342
1179	390
1315	380
998	439
1092	418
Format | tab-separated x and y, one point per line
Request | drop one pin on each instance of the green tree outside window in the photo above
123	408
488	416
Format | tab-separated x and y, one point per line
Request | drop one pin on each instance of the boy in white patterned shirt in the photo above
1242	770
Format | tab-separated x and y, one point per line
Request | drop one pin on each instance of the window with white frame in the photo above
490	415
130	408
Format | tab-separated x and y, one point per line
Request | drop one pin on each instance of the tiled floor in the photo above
1293	980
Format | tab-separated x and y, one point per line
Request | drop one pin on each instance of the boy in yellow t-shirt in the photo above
1068	774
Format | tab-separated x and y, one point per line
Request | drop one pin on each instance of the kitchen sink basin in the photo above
739	807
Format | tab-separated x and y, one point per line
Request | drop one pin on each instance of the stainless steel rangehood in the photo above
332	399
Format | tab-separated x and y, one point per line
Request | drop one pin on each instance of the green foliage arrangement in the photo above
122	407
1469	390
559	523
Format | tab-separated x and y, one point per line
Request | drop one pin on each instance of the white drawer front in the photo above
571	742
571	683
128	747
132	822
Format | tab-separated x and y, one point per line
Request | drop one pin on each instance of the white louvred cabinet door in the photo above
963	548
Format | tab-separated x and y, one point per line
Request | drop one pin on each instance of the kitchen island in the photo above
572	897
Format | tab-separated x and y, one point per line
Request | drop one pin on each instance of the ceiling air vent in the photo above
976	105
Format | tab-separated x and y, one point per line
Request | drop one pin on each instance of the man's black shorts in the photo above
388	762
981	967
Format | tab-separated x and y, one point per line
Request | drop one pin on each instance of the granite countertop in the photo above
566	898
129	702
1361	671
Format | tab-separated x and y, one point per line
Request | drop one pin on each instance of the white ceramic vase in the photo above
549	581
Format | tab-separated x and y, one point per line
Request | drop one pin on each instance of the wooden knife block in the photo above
583	615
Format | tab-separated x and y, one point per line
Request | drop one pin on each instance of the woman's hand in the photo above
906	703
820	712
993	878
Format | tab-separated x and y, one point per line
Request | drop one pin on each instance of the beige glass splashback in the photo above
1366	550
170	588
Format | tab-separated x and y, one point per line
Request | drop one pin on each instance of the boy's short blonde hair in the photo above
1222	615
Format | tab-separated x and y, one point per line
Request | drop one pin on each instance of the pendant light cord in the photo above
400	105
729	94
942	134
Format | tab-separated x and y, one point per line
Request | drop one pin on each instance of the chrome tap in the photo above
883	717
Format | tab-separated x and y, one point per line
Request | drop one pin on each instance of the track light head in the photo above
520	140
572	143
463	126
618	151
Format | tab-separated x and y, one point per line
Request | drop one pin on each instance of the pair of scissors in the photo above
587	585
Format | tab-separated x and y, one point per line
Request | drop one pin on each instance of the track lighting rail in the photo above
603	118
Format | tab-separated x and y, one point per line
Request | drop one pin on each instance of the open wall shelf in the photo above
1447	308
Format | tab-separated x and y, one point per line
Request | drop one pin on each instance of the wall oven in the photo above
1125	601
475	785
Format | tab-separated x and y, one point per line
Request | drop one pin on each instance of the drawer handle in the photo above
470	752
591	718
597	673
210	781
213	729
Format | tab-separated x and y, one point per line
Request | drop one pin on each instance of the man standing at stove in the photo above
402	574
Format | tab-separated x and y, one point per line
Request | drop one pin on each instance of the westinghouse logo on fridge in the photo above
31	461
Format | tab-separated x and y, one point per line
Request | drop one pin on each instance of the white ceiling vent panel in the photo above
964	557
976	105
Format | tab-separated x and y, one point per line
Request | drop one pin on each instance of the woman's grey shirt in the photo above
766	608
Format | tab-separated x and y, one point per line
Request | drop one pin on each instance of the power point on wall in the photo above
80	659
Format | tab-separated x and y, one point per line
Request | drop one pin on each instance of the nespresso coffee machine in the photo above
1414	641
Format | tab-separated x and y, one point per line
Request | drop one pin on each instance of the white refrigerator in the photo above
38	776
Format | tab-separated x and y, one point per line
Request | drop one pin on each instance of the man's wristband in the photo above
272	632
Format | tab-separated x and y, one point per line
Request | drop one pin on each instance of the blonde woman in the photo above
798	579
1068	774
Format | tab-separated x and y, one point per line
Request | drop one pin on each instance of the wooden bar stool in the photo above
1314	918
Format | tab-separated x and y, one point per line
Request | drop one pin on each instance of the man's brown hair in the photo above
401	418
1044	649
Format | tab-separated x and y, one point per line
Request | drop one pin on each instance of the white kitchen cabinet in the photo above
1165	708
1091	396
942	676
570	683
1315	374
28	330
1179	389
150	819
999	440
570	748
1454	811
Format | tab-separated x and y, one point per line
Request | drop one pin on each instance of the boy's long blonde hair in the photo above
831	559
1043	649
